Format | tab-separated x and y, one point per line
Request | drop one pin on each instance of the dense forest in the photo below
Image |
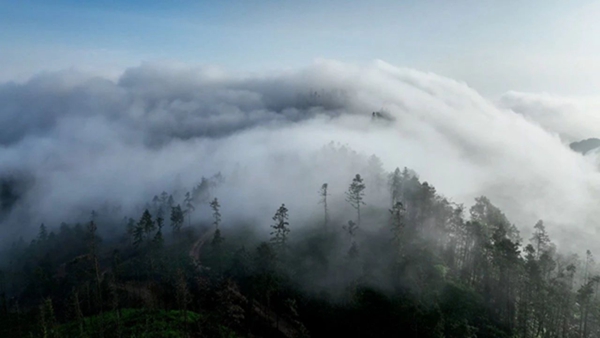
417	265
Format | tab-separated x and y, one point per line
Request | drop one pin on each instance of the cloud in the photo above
573	119
83	140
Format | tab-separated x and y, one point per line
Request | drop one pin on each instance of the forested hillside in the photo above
417	265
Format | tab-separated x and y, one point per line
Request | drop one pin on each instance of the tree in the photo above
43	233
155	255
182	294
158	237
280	228
323	194
201	192
216	214
47	319
264	281
77	313
177	218
93	254
584	298
231	303
540	238
164	198
397	220
589	262
491	217
466	277
130	226
217	239
146	223
216	242
113	289
395	186
353	251
138	235
92	228
189	206
155	204
355	195
351	229
240	265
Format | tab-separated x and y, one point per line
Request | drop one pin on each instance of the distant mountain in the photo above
585	146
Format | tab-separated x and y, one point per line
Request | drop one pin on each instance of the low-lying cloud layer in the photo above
83	140
573	119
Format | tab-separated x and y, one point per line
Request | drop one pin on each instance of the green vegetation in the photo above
414	267
135	323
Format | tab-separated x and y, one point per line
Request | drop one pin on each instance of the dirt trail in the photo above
197	247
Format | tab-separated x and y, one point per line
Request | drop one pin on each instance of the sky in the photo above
493	46
102	101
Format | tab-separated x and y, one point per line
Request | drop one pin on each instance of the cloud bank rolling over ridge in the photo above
82	140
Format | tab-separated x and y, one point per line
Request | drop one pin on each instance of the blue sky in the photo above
494	46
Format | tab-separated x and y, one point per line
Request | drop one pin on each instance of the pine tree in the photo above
240	265
201	192
47	319
216	214
589	262
395	185
540	238
130	226
353	251
182	294
138	235
155	204
189	206
323	194
231	304
93	254
43	233
217	238
164	197
155	256
355	195
160	213
265	280
177	218
397	220
351	229
114	292
280	228
158	237
77	313
146	223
